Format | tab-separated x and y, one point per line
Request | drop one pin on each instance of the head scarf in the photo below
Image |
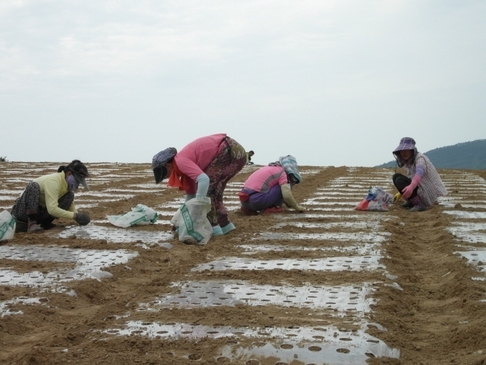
289	163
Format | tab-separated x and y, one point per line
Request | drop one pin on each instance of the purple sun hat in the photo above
406	143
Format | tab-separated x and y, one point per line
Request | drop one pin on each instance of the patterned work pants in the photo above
230	160
28	203
401	182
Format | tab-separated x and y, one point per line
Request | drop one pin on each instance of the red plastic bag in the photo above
243	196
363	205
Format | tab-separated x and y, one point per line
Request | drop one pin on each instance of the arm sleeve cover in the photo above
415	181
202	185
288	197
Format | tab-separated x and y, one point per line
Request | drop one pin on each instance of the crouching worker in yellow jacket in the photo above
49	197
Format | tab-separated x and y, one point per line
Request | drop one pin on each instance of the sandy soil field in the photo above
329	286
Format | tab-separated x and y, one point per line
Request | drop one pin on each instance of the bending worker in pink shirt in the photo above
203	168
269	187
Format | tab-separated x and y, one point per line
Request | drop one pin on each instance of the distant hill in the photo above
463	156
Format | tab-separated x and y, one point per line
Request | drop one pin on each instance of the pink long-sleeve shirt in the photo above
263	179
195	157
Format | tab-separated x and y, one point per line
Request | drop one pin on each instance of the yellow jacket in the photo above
52	187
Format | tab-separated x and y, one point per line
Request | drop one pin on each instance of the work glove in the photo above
408	190
397	197
82	218
289	198
300	208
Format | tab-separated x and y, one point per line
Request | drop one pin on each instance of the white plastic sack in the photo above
7	226
376	200
140	215
191	222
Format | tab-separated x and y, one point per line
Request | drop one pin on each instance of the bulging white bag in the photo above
140	215
191	222
376	200
7	226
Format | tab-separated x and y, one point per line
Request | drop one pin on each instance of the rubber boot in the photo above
417	204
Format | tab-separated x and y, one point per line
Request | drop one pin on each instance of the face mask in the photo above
72	183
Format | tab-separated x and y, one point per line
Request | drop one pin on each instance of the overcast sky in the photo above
334	83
